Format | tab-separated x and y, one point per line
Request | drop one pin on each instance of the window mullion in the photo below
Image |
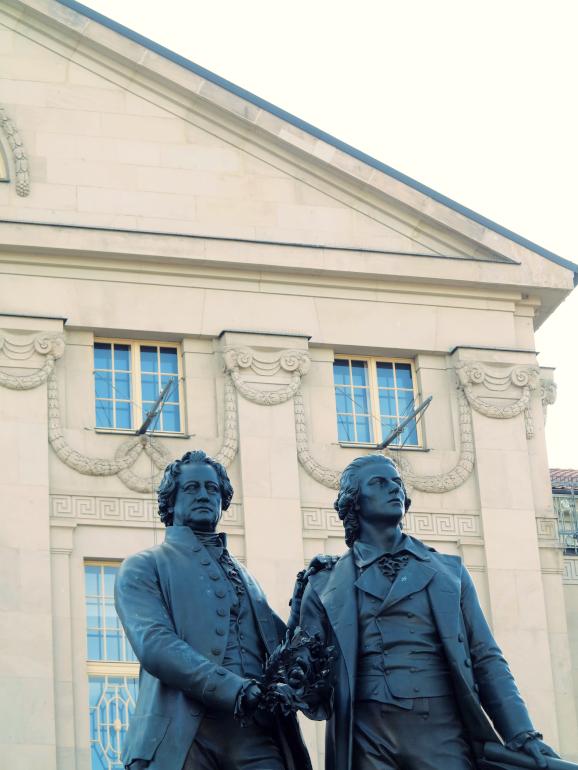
374	400
135	352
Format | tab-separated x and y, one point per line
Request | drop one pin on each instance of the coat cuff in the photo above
221	690
517	743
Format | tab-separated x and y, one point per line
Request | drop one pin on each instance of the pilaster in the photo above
28	347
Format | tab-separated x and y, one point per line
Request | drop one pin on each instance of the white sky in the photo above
475	99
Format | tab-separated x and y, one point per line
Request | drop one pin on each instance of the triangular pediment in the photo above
131	137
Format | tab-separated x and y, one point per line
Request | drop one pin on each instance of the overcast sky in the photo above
474	99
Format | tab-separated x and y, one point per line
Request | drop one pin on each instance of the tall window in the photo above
112	668
128	377
372	396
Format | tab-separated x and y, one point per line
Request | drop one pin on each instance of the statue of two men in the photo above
417	676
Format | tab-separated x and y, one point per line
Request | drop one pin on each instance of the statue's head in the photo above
371	489
194	492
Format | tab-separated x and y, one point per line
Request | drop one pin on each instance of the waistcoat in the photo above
400	654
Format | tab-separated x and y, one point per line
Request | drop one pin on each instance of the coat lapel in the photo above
373	582
410	580
338	595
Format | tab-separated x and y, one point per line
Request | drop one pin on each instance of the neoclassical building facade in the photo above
159	225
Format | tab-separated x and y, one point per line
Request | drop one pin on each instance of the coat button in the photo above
410	614
222	612
411	597
386	652
460	637
412	631
413	670
220	593
196	549
476	687
211	686
416	689
221	632
205	561
214	575
195	711
216	651
388	672
468	662
222	671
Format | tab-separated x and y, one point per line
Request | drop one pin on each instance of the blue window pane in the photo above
345	429
169	362
112	619
123	411
132	687
114	645
122	385
343	403
150	387
403	376
341	372
102	355
149	361
361	398
122	357
110	574
363	429
97	759
387	425
385	375
103	384
96	685
405	401
387	402
171	417
409	435
104	417
92	580
93	612
359	373
173	394
95	645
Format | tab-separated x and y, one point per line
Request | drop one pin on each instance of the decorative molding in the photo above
437	484
524	376
61	551
134	510
227	452
265	364
547	529
18	152
570	573
451	526
548	394
17	348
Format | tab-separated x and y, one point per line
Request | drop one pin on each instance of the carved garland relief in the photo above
18	152
296	362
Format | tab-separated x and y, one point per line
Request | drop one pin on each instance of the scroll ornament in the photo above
524	376
548	394
49	344
19	154
295	361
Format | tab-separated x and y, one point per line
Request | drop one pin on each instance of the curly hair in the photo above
167	490
346	504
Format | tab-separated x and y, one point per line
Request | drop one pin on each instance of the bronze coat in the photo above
168	598
330	607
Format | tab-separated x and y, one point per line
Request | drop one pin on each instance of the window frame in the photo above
137	417
105	668
378	436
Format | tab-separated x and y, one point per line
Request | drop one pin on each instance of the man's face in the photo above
198	500
381	496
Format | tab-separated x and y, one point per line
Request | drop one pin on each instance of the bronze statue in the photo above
201	628
418	668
